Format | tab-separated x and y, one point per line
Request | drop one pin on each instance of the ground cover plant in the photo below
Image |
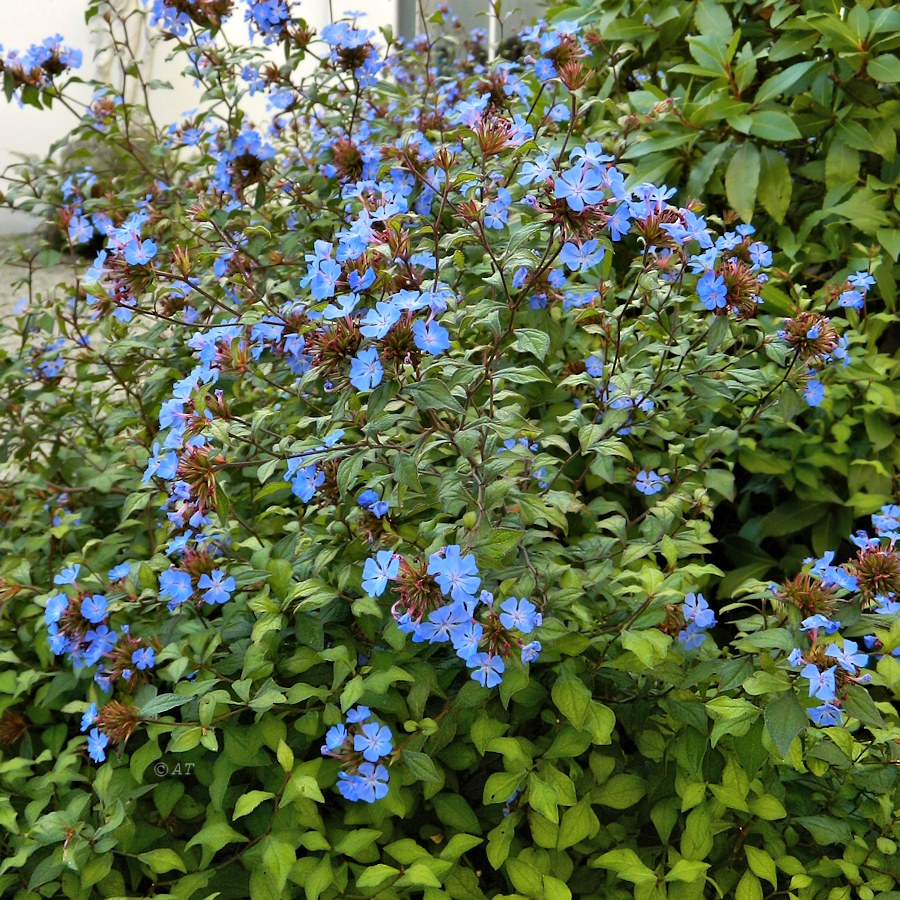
361	500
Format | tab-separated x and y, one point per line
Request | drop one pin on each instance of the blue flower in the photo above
359	714
432	338
579	259
68	575
518	614
821	682
594	366
144	658
696	610
365	370
89	717
530	652
220	587
376	572
488	669
379	508
848	658
123	570
579	186
712	291
334	738
379	321
649	483
442	623
374	741
817	621
372	781
94	608
826	714
814	392
367	498
455	574
97	743
56	606
177	586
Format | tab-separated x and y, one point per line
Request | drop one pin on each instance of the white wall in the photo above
28	131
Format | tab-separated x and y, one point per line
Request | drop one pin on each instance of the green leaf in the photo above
742	179
782	81
761	864
373	876
621	791
885	68
574	701
687	870
841	164
530	340
248	802
626	864
748	888
422	766
433	394
775	184
774	126
731	716
785	718
162	860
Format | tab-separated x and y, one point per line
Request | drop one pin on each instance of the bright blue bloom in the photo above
488	669
712	291
466	640
814	392
692	637
117	573
433	338
89	717
696	610
821	682
796	657
365	370
455	574
518	614
848	658
819	621
176	585
358	714
68	575
139	253
306	481
650	483
220	587
334	738
594	366
379	321
619	222
372	782
530	652
379	508
579	259
97	743
367	498
442	623
852	299
537	170
579	187
56	606
94	608
144	658
374	742
826	714
376	572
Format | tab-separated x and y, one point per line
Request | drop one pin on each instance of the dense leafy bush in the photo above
785	112
359	527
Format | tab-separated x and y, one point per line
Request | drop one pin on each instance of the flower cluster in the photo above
481	632
36	68
698	618
871	581
361	744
